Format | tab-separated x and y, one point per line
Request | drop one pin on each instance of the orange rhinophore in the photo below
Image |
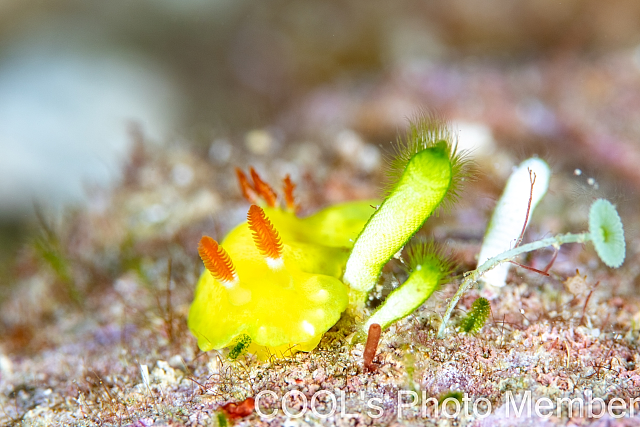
217	261
288	194
263	189
247	189
265	236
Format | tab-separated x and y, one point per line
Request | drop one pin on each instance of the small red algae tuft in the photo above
243	409
371	346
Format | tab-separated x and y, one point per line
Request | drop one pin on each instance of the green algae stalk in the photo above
429	171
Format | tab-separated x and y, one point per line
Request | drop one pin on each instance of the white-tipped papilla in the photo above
509	215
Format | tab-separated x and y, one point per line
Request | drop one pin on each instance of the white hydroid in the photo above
509	215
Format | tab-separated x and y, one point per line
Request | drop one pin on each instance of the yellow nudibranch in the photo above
275	278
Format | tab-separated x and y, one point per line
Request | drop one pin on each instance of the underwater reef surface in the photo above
94	328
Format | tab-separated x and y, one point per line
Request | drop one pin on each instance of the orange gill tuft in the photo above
288	194
247	189
263	189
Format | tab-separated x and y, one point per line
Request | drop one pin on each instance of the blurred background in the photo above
79	80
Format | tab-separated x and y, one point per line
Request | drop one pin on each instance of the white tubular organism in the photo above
510	214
